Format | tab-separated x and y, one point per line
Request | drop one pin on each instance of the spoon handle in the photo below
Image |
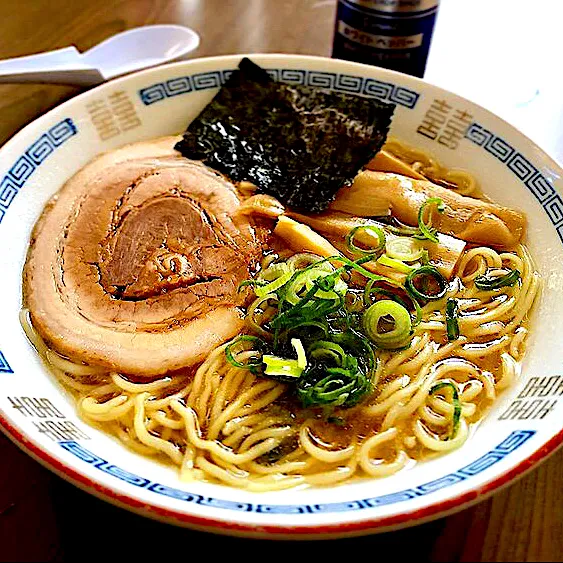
63	66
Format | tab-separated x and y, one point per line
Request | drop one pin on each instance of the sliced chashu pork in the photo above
135	263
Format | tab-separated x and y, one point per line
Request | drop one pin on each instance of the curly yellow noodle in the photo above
240	422
162	419
488	329
139	387
319	453
110	410
428	415
383	468
391	361
428	166
517	343
342	473
194	435
279	468
256	398
129	438
67	366
279	433
148	439
471	389
484	257
510	371
394	386
433	443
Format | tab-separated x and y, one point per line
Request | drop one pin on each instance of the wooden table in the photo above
497	43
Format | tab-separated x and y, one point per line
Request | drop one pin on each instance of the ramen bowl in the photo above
521	429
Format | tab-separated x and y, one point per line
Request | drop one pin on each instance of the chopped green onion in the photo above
452	325
246	343
333	386
301	357
353	340
372	232
304	303
406	249
311	330
324	349
397	265
307	309
425	258
274	271
252	283
423	274
398	336
304	280
371	290
489	283
456	403
357	266
283	273
426	230
281	367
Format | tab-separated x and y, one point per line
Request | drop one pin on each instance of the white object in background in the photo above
128	51
502	55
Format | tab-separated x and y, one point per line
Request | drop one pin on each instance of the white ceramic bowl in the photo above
525	425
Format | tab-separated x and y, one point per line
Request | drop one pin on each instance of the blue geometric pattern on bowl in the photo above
511	443
4	365
31	159
523	169
384	91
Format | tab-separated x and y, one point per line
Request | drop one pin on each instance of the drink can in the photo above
394	34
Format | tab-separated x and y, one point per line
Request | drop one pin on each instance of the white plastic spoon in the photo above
130	50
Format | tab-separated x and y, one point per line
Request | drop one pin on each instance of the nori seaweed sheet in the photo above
297	143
